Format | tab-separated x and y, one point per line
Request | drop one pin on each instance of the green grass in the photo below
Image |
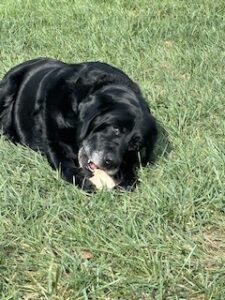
165	240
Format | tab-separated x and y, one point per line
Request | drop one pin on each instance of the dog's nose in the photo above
109	159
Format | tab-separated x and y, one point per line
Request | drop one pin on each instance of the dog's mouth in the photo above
85	161
92	166
93	162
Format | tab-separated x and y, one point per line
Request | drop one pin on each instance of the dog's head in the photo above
114	122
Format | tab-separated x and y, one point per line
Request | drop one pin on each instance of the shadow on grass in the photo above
163	145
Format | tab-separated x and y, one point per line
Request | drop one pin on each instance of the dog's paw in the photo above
88	186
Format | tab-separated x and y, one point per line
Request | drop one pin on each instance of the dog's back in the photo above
23	92
18	97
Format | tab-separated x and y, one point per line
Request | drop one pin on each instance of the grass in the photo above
165	240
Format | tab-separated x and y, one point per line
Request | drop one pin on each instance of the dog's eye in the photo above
116	130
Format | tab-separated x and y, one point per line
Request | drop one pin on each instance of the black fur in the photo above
75	113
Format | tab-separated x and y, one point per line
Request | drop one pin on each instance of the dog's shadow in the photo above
163	145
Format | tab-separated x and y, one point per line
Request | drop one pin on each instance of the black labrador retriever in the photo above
80	116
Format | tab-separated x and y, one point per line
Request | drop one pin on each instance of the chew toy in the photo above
102	180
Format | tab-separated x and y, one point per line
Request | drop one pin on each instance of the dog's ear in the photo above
135	143
143	141
91	108
143	148
88	111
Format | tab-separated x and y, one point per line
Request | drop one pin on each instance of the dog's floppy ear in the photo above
89	110
135	143
144	148
144	143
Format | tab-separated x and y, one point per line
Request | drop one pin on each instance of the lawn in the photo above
165	240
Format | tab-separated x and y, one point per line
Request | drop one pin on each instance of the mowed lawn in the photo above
165	240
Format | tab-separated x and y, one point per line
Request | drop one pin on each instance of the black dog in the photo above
80	116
